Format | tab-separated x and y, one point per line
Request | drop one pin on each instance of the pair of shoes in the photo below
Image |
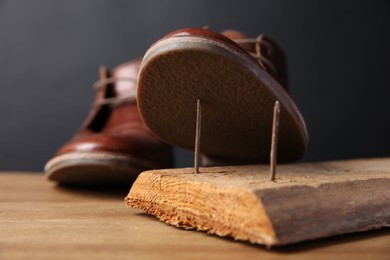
236	79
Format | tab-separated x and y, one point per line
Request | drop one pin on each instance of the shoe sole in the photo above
237	101
95	169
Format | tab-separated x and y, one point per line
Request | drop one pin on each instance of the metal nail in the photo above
274	140
197	135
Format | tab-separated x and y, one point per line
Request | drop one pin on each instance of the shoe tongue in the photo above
126	74
237	35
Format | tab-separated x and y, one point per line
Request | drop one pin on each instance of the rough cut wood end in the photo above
307	201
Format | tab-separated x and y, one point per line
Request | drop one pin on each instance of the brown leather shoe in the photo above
113	146
237	80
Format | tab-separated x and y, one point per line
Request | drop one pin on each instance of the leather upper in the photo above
118	128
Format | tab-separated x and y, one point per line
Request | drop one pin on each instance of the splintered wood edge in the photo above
180	208
310	201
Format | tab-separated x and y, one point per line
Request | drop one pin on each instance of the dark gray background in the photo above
50	52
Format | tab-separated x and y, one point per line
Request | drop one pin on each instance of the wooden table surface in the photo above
39	220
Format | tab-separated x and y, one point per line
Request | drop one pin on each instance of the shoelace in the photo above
259	40
114	101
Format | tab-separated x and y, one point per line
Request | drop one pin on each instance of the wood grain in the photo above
307	201
39	220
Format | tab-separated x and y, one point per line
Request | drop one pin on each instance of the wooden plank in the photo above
307	201
39	220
